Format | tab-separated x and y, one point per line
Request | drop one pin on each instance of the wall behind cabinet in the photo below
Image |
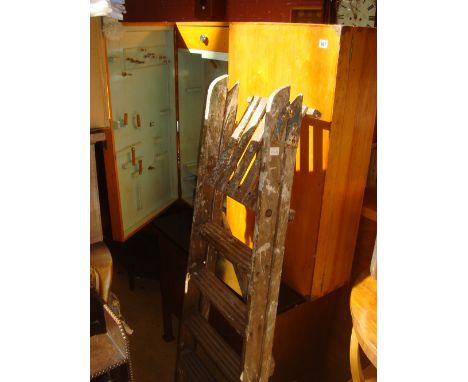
236	10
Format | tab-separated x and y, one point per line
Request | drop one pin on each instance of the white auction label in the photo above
274	151
323	44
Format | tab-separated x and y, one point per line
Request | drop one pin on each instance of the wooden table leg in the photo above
355	360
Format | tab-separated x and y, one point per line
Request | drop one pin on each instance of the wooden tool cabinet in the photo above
158	75
335	68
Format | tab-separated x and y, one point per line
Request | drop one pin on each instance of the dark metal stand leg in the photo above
168	335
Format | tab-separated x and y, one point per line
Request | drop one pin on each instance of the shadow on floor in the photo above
153	359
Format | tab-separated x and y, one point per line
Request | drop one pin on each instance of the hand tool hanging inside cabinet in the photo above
138	121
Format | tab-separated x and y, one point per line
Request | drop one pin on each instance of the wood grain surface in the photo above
363	306
333	153
218	37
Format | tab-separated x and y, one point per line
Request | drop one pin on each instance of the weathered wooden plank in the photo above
192	368
227	150
209	152
216	348
229	247
265	224
242	144
288	146
227	130
217	214
222	297
234	184
222	242
229	123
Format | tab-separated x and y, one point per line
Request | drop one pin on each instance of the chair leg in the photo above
355	360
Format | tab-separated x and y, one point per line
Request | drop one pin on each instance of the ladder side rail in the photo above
264	231
209	152
288	145
217	214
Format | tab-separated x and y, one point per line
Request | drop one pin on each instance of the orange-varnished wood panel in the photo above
363	306
306	200
266	56
217	36
99	100
334	67
262	57
350	145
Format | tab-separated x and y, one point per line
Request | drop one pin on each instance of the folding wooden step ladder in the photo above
252	163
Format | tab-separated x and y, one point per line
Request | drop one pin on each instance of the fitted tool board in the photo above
157	86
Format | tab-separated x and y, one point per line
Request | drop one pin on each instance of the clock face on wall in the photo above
358	13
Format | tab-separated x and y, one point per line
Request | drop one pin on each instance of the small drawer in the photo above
201	37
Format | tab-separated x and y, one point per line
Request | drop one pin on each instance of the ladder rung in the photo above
193	366
229	246
217	349
223	298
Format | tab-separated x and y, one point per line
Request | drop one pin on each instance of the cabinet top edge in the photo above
337	27
203	23
148	23
178	23
235	23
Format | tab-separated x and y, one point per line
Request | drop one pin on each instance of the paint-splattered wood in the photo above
242	144
230	114
230	247
222	297
288	147
264	232
209	152
254	164
235	188
216	348
217	213
222	243
226	152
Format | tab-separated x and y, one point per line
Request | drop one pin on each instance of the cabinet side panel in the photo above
350	144
306	200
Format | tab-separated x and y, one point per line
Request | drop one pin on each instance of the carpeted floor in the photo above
153	358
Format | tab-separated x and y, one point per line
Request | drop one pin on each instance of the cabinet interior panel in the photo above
141	71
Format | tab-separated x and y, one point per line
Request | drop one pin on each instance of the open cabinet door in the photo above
196	72
141	79
141	157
